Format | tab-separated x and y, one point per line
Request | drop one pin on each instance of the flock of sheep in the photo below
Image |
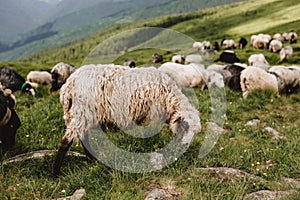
123	96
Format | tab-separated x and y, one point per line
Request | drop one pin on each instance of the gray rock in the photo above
156	194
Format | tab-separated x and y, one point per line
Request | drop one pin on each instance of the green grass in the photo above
249	149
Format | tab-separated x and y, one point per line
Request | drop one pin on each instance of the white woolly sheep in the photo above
275	45
122	97
277	36
190	75
293	37
286	53
285	36
39	77
60	73
178	59
197	45
258	60
288	78
253	78
193	58
260	41
228	44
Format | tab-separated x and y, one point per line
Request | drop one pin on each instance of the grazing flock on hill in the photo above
92	94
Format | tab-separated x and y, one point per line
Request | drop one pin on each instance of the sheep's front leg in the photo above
64	146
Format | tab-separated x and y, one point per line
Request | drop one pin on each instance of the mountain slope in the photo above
80	23
200	25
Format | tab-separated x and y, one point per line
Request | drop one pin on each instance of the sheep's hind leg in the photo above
64	146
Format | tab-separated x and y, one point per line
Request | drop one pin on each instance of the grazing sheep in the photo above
285	36
286	53
258	60
275	45
293	37
221	70
288	78
243	43
228	44
39	77
206	45
129	63
157	58
277	36
197	45
228	57
190	75
253	78
193	58
234	81
260	41
10	79
216	46
9	120
60	73
137	95
178	59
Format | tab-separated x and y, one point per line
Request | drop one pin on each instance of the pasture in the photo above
257	159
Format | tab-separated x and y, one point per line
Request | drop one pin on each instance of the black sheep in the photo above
9	120
10	79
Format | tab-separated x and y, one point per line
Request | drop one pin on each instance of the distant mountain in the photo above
69	20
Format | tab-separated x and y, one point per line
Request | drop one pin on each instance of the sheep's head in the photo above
27	88
9	120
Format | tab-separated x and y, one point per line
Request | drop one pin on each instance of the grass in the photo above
249	149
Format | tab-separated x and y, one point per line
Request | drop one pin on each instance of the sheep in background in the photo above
258	60
228	56
285	36
10	79
288	78
243	43
197	45
60	73
286	53
193	58
178	59
130	63
228	44
234	81
277	36
39	77
275	46
260	41
157	58
253	78
137	95
190	75
293	37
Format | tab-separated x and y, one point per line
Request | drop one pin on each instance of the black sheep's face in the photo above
27	88
55	83
9	123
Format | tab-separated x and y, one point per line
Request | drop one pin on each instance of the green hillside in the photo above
256	160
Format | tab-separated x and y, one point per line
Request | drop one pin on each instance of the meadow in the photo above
265	162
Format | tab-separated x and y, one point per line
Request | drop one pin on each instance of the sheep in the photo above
288	78
39	77
9	119
277	36
253	78
122	97
293	37
60	73
285	36
221	70
206	45
228	44
228	56
130	63
178	59
190	75
157	58
216	46
234	81
10	79
275	45
286	53
260	41
258	60
193	58
197	45
243	43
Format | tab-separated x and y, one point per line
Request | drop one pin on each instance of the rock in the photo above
156	194
253	122
275	133
78	194
270	195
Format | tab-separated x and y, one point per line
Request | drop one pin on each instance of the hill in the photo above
72	19
245	161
